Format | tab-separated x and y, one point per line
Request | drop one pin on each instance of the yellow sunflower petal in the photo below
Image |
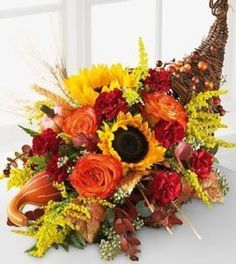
155	152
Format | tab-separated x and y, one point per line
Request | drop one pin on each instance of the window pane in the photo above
6	4
116	28
185	23
23	37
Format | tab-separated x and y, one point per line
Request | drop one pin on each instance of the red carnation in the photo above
53	142
158	80
201	162
47	141
166	186
39	145
57	172
109	104
169	133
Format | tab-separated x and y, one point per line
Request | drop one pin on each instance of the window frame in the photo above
75	16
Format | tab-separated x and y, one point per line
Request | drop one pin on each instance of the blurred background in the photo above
87	32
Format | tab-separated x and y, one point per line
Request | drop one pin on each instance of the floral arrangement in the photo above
116	152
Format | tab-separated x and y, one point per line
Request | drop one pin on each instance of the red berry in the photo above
159	63
222	112
216	100
170	69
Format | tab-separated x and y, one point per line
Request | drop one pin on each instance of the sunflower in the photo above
86	85
132	142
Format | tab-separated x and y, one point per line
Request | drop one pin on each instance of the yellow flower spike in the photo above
202	124
19	177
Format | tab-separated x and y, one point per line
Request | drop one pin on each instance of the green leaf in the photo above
65	246
48	111
56	246
31	249
76	240
39	161
143	210
110	216
30	132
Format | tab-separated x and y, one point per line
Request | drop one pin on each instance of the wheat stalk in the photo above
56	99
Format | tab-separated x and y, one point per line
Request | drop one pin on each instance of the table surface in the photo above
217	227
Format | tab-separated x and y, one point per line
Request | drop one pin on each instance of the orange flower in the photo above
161	106
81	120
96	175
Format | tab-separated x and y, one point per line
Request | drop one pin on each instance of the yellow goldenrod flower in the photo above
203	124
19	177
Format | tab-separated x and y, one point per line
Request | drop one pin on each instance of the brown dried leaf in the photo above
130	209
134	241
119	213
173	220
124	245
88	229
129	246
120	229
123	226
186	192
131	180
211	186
129	226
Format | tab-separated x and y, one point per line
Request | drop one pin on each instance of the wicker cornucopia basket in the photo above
210	52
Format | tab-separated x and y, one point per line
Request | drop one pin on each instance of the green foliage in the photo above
74	239
30	132
39	161
143	210
110	215
70	151
202	123
224	185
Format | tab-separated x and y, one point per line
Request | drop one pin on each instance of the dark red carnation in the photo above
39	145
166	186
158	80
55	171
53	142
46	142
109	104
201	162
169	133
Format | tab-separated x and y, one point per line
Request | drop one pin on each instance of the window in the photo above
103	31
26	27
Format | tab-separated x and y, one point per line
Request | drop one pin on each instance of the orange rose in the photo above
161	106
96	175
81	120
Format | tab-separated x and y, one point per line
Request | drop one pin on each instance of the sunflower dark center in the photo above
130	144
